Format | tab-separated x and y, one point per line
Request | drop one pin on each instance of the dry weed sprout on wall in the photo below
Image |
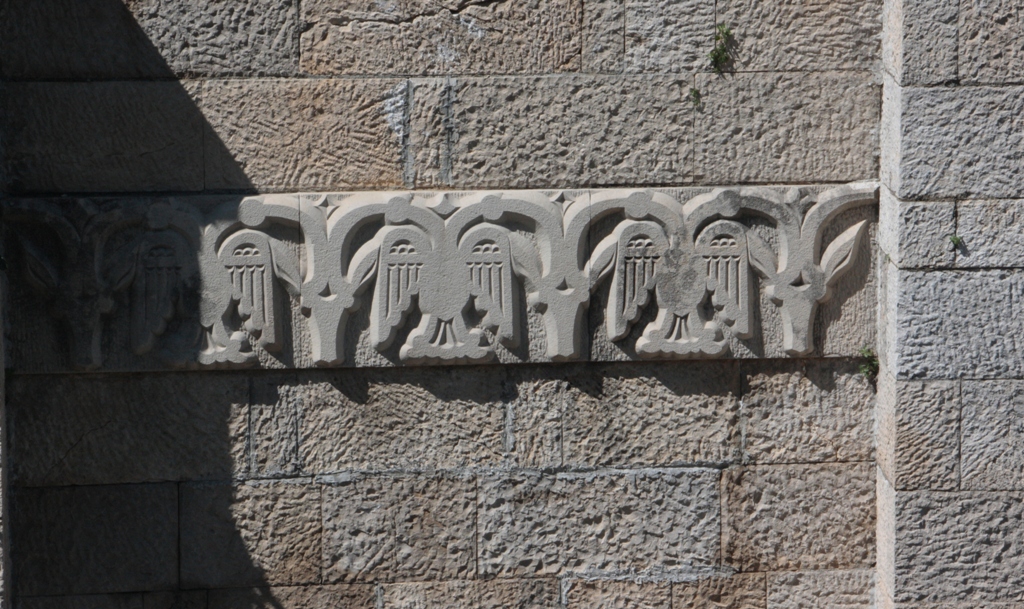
721	56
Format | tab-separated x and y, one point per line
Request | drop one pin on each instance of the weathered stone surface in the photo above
791	517
67	39
399	527
642	520
103	137
490	594
536	132
885	560
643	415
807	412
304	134
959	142
535	435
993	434
804	36
820	590
346	596
429	37
95	539
668	36
250	534
73	430
990	44
777	127
919	44
739	591
916	234
431	129
959	548
603	36
604	594
991	233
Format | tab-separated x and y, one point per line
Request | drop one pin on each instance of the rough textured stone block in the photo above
150	600
960	142
532	132
103	137
491	594
598	594
603	35
103	430
991	233
535	433
790	517
820	590
777	127
924	452
399	527
250	534
112	39
806	412
347	596
304	134
993	434
836	35
919	45
643	520
429	37
916	234
431	129
95	539
669	36
990	44
643	415
739	591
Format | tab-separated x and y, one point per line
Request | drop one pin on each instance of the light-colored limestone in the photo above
604	594
668	36
457	594
820	590
537	524
773	516
777	127
991	233
916	234
603	35
346	596
993	432
250	534
739	591
427	37
919	42
534	431
990	42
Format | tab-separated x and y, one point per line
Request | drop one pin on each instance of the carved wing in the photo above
632	253
723	246
487	253
155	290
401	271
248	256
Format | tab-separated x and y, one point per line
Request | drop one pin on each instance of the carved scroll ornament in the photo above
443	277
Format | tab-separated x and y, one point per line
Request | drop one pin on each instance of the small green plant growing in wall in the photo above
869	364
721	55
956	240
695	97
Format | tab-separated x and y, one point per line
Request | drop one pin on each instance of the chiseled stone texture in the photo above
606	594
103	137
538	397
990	44
739	591
72	39
430	37
777	127
462	594
534	524
820	590
993	435
792	517
304	134
643	415
668	35
95	539
74	430
916	234
250	534
992	233
964	548
603	35
919	42
959	142
345	596
399	528
806	412
835	35
148	600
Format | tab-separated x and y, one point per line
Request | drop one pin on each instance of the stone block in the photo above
75	430
250	534
739	591
72	40
916	234
490	594
821	590
792	517
603	36
924	452
638	521
274	417
885	561
652	415
786	36
787	127
993	434
807	412
149	600
990	44
94	539
431	130
991	233
958	142
608	594
388	528
103	137
537	132
669	36
919	44
346	596
535	436
433	37
304	134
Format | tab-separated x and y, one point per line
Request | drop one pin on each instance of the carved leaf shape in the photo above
839	255
524	257
364	265
286	267
762	258
602	261
40	273
122	269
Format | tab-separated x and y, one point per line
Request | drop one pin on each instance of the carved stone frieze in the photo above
457	277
